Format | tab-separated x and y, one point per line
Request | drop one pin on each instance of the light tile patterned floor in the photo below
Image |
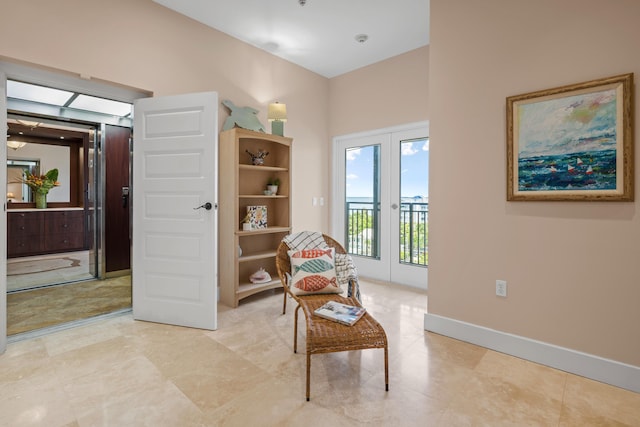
55	305
30	272
120	372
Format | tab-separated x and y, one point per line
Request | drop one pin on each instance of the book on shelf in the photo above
341	313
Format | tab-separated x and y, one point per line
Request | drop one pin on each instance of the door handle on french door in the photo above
394	206
207	206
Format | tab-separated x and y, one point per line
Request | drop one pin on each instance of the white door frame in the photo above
376	269
3	217
10	70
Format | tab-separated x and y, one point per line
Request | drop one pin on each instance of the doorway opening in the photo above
59	256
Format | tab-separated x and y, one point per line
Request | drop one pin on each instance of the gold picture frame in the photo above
572	142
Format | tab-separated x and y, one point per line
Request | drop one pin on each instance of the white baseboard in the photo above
583	364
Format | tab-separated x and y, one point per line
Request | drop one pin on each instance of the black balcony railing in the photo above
414	233
362	235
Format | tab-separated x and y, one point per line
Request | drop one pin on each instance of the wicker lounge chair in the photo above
326	336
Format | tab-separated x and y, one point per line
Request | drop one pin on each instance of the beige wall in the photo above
143	45
572	267
140	44
385	94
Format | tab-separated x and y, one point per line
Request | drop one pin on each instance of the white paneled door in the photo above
174	267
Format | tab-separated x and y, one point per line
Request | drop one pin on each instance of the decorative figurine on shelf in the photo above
243	117
246	222
258	159
260	276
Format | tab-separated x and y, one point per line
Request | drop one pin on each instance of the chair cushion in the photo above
313	272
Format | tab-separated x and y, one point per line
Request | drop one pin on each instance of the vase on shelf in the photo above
41	200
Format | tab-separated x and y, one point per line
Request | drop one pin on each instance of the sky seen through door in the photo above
414	172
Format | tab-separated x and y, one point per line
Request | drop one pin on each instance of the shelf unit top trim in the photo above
249	134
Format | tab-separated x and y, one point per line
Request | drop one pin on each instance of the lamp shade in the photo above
277	112
10	195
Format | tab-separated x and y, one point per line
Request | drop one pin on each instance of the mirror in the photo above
38	147
38	159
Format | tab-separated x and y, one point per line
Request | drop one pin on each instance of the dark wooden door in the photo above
116	207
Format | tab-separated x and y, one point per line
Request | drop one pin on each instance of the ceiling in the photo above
321	35
61	98
25	99
32	131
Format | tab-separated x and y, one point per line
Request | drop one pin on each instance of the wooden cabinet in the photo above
63	231
242	184
24	234
44	231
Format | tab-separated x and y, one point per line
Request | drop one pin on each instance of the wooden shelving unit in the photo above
242	184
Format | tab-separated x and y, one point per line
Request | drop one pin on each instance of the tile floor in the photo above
56	305
120	372
30	272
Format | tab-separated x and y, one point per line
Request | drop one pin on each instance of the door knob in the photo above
394	206
207	206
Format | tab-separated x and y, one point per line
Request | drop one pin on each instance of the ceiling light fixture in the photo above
16	144
302	2
29	124
361	38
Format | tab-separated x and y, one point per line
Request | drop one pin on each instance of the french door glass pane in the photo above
362	204
414	202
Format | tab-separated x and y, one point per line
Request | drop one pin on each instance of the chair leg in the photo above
295	330
284	302
308	375
386	369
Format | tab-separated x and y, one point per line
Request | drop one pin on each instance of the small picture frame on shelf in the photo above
257	217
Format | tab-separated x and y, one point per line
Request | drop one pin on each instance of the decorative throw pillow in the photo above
313	272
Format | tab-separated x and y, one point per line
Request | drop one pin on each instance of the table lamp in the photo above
277	115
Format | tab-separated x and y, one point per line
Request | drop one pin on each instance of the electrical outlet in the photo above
501	288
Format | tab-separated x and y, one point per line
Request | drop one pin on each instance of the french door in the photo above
381	204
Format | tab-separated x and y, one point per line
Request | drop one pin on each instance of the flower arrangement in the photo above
41	184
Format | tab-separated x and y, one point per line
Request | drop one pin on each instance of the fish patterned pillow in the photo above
313	272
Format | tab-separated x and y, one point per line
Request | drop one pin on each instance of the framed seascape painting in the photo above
572	143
